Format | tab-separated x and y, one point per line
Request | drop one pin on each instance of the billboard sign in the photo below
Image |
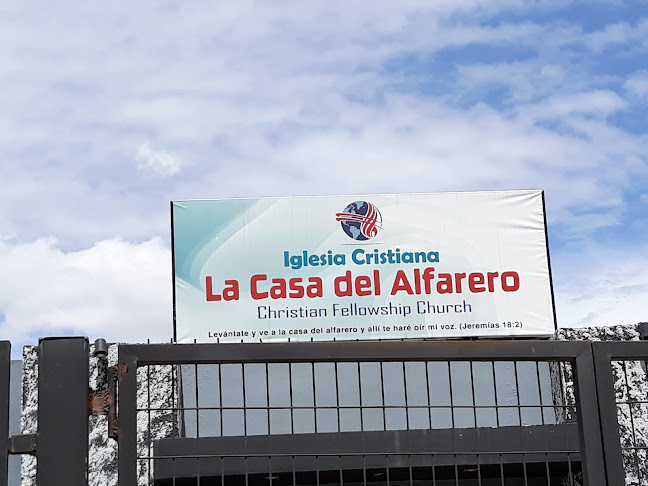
445	265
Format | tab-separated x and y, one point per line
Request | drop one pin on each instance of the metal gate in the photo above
386	413
622	385
563	441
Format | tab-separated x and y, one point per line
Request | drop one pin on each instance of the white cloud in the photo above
526	80
637	84
619	33
600	285
598	102
117	290
159	161
284	99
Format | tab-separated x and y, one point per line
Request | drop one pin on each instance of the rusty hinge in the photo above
98	402
104	402
113	421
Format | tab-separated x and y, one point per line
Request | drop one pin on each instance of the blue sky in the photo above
109	111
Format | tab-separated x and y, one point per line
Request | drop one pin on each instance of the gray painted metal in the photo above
604	353
63	411
5	373
579	354
369	449
14	418
436	384
23	444
589	419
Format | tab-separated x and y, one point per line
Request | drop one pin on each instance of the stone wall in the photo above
154	385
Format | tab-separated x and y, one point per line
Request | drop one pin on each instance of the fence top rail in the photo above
626	350
353	351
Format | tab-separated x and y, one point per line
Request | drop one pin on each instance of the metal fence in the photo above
623	395
386	413
347	413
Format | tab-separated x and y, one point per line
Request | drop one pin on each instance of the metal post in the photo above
5	371
608	413
588	419
63	411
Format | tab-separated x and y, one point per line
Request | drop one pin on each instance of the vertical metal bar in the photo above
337	398
382	394
551	285
5	374
359	399
472	392
427	387
407	411
517	393
433	467
608	409
387	470
315	395
127	458
197	399
452	407
524	468
268	412
245	410
290	391
317	471
571	473
542	410
63	379
589	419
497	419
173	275
364	470
220	399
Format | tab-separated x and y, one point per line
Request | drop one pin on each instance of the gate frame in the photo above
5	376
604	352
578	353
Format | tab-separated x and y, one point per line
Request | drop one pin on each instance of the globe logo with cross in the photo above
360	220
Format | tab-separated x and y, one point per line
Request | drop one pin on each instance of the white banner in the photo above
441	265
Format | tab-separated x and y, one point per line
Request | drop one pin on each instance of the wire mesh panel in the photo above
358	413
298	398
